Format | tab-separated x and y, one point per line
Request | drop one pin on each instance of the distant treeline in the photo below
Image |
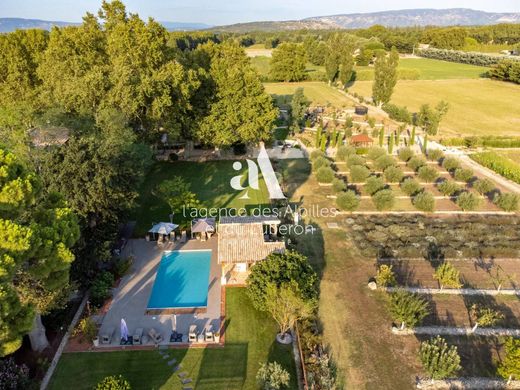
403	38
463	57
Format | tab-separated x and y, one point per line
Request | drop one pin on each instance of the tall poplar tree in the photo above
385	76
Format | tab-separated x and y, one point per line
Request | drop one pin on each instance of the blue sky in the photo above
234	11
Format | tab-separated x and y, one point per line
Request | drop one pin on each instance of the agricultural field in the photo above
477	107
513	155
318	92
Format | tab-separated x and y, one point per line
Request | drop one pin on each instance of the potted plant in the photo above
95	341
217	337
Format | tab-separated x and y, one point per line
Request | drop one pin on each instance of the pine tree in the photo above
439	359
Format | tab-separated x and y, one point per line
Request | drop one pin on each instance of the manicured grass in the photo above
249	342
430	69
209	180
317	92
477	107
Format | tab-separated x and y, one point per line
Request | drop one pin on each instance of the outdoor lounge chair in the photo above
208	335
106	337
176	337
192	336
138	336
155	336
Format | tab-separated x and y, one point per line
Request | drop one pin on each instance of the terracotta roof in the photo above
244	243
361	138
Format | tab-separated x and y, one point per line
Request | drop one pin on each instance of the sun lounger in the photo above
208	335
155	336
138	336
106	337
192	336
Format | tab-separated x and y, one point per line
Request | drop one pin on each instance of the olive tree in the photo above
447	275
347	201
407	308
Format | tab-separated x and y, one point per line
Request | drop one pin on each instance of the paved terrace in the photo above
130	298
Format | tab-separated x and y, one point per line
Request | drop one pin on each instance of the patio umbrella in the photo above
124	330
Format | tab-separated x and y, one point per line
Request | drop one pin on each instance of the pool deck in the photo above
130	298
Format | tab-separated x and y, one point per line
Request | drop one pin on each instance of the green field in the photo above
250	340
429	69
423	68
513	155
316	91
209	180
477	107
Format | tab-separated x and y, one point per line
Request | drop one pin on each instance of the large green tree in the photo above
385	76
299	105
36	234
240	110
288	62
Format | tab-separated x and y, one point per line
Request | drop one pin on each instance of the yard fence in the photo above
302	382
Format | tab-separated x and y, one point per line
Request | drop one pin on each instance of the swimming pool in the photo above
182	280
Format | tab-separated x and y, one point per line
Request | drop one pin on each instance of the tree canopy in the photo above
385	76
36	234
288	62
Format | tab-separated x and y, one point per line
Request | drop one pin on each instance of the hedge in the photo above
501	165
488	141
398	113
462	57
506	70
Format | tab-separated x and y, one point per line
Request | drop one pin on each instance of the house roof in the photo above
244	243
250	219
361	138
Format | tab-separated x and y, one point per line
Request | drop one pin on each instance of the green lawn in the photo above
316	91
209	180
477	107
249	342
429	69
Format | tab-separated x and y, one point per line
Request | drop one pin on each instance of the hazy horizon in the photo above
234	11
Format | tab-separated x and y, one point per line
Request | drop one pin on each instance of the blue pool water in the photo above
182	280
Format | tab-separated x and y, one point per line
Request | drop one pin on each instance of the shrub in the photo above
468	201
416	162
272	376
424	201
435	154
355	160
398	113
439	360
405	154
361	151
86	329
100	289
428	174
122	266
484	186
463	174
485	316
113	383
344	152
325	175
506	70
359	173
374	184
316	153
447	275
499	164
463	57
384	162
507	201
320	162
448	188
347	201
407	308
509	367
385	276
410	186
338	185
383	200
13	376
393	174
450	163
375	152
